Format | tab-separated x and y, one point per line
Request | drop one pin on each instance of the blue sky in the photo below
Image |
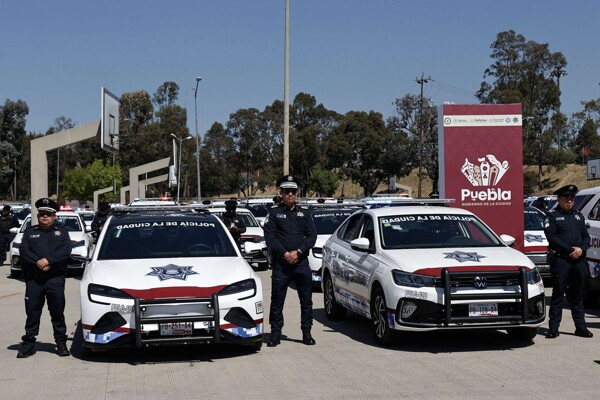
350	54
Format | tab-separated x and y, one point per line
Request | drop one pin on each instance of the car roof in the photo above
592	190
415	209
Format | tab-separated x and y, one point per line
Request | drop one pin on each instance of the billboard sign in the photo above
481	163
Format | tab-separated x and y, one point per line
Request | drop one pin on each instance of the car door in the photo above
341	254
591	212
360	267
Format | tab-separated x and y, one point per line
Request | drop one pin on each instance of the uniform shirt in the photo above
565	231
7	222
53	244
288	230
235	221
99	221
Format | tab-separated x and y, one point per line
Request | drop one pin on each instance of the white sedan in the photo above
429	267
168	275
79	233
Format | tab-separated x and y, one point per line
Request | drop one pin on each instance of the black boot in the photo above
583	332
27	349
307	339
61	349
275	339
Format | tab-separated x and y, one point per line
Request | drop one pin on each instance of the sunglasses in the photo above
45	213
290	191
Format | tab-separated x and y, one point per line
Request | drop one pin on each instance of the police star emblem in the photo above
533	238
171	271
463	256
57	233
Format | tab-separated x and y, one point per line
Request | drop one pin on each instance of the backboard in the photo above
593	169
109	123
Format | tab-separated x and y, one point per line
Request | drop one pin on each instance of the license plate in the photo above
176	328
483	310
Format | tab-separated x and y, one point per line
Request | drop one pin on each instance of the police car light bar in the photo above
382	202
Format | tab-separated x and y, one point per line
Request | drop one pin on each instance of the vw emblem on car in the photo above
480	282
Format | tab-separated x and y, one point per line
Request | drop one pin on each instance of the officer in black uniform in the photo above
45	250
232	221
100	218
568	242
290	233
277	200
8	220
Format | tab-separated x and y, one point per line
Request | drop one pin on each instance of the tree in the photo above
166	94
524	72
13	116
80	183
323	182
358	147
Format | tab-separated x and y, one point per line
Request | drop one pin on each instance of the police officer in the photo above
8	220
277	200
290	233
568	241
232	221
45	250
100	218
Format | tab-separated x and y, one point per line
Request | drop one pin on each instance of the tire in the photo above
258	345
384	335
16	274
263	266
333	310
590	297
522	334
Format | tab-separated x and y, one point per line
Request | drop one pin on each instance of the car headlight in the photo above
77	243
106	291
239	287
414	280
533	276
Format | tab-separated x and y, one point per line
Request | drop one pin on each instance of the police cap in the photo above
6	208
277	199
287	182
230	205
46	204
568	190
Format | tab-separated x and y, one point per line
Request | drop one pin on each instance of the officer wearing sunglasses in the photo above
290	233
45	250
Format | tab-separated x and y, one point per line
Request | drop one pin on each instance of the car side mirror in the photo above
508	240
360	244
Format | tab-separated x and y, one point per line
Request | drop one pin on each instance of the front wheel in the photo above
333	310
379	316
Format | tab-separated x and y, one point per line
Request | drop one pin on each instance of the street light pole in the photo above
179	162
198	79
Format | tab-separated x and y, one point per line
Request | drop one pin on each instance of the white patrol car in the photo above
170	275
535	242
428	267
254	234
79	233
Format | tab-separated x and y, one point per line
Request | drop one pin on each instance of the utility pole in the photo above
421	82
286	92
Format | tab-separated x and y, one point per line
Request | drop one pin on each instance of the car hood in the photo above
535	241
467	259
167	277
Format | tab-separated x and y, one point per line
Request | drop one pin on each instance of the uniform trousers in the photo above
5	239
568	277
36	293
282	276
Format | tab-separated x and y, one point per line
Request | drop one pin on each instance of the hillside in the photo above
552	179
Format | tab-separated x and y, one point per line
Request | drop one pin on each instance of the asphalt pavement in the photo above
346	363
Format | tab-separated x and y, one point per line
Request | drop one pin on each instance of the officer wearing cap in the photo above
8	220
290	233
568	242
100	218
232	221
277	200
45	250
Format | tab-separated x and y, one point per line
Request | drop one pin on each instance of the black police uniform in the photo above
564	231
231	221
54	245
287	230
100	218
7	221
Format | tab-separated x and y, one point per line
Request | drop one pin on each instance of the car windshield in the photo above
143	238
70	222
534	219
87	216
327	221
259	210
437	230
247	218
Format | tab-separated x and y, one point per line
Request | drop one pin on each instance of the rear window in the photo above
327	221
142	239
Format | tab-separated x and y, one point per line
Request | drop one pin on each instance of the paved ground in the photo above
346	363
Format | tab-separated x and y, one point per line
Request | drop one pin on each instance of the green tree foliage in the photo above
12	139
526	72
218	163
166	94
80	183
358	146
324	182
